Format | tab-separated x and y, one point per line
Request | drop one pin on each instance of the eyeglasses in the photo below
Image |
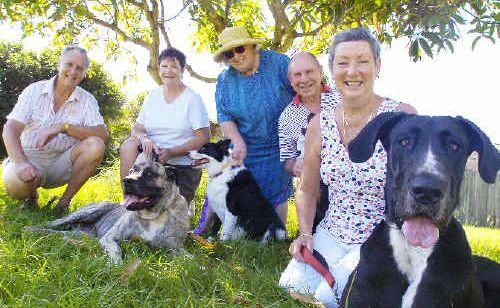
230	53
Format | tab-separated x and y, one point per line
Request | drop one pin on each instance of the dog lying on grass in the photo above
153	210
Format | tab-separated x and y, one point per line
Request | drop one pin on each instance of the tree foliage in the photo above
429	25
19	68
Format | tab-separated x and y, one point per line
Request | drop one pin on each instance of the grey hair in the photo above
312	56
79	49
351	35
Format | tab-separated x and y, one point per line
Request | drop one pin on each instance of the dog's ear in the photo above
489	157
361	148
171	173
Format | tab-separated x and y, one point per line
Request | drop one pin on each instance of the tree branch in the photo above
198	76
315	31
113	26
161	24
180	11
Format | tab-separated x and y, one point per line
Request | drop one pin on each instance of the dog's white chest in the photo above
217	190
411	261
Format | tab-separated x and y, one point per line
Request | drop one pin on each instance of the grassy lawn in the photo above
51	270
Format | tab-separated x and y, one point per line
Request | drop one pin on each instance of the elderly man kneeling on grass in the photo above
54	135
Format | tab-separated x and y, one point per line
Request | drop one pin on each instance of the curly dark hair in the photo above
173	53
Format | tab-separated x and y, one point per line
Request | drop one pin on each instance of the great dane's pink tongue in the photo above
129	199
420	231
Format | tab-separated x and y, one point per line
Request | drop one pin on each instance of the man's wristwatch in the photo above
64	128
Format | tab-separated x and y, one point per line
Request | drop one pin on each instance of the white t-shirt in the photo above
172	124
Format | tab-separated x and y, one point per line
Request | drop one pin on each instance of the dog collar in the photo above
232	165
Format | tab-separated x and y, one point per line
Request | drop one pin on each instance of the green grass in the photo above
50	270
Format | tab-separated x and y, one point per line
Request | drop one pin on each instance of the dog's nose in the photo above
427	190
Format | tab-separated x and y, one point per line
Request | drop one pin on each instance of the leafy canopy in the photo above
429	25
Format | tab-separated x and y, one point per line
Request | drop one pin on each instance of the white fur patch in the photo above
431	164
411	261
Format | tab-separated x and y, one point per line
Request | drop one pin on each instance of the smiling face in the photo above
354	69
244	62
71	69
305	76
170	71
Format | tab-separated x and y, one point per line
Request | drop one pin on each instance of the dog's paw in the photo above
281	234
225	237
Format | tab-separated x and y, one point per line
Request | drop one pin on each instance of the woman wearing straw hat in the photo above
250	96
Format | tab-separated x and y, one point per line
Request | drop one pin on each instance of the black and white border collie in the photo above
233	194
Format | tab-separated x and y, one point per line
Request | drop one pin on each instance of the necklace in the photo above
346	123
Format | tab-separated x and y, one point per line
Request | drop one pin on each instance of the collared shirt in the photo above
294	120
35	109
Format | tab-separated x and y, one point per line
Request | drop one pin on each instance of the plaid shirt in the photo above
35	109
294	120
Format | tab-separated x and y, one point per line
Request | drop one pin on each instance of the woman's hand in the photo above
239	151
148	146
304	240
164	155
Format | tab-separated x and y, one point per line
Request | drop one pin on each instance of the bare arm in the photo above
83	132
138	131
202	136
289	164
76	131
230	129
12	139
12	131
406	108
308	191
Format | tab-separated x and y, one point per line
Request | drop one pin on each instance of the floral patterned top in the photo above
355	191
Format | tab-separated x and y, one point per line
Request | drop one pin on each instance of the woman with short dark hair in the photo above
172	121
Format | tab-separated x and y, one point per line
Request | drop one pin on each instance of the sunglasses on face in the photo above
230	53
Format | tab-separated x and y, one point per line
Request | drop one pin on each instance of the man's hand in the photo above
164	155
47	134
303	240
297	167
239	151
27	172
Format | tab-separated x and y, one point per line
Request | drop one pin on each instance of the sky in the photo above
462	83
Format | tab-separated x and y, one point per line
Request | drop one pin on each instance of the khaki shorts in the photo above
55	166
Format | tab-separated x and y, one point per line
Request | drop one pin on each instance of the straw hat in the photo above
234	37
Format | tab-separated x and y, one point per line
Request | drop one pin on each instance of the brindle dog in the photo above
153	210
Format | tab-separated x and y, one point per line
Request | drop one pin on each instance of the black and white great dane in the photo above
419	255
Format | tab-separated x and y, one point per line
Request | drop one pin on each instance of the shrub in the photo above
19	68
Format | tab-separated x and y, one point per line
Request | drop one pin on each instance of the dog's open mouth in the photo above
198	162
420	231
135	203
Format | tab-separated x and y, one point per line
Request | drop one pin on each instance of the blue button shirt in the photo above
254	104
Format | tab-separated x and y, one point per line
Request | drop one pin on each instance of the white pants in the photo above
341	258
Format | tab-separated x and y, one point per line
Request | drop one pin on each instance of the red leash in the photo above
313	261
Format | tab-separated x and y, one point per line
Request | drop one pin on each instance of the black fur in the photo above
255	213
453	277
